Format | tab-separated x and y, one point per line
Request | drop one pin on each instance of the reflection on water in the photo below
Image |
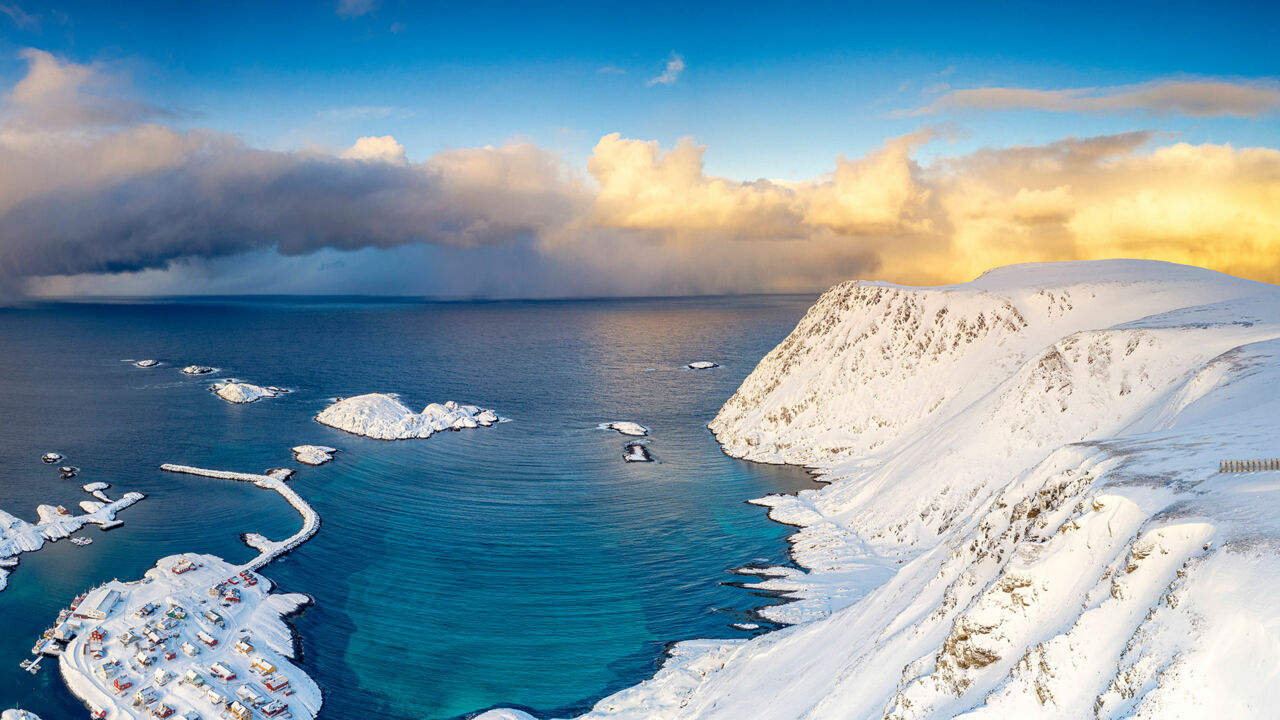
521	564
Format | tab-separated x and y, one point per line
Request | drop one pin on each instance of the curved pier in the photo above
272	549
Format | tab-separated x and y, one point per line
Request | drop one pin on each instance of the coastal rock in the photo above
55	522
50	458
234	391
626	428
313	454
95	486
16	714
197	370
702	365
146	363
382	417
636	452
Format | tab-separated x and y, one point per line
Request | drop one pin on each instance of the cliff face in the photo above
1025	515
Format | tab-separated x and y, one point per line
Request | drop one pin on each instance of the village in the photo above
196	639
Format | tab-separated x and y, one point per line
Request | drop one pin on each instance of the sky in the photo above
562	150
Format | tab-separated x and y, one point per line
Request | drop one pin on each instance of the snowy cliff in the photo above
1025	515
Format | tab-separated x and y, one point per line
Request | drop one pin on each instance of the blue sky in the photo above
773	91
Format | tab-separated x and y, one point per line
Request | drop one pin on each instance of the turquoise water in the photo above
523	564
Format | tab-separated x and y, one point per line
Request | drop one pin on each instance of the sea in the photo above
522	565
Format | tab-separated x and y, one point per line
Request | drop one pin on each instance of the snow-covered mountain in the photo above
1025	515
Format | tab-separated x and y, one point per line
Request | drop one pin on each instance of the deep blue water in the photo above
523	564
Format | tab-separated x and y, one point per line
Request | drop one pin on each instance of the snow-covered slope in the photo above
1025	515
382	417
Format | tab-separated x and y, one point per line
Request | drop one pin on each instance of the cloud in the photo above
56	93
671	73
148	207
355	8
366	112
377	149
611	70
23	19
1197	98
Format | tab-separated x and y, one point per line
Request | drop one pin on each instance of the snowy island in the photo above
382	417
626	428
313	454
234	391
1035	506
197	370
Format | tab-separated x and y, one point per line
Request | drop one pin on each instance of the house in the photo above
215	697
239	711
162	710
193	678
155	638
276	683
206	638
163	676
98	605
262	665
274	708
249	696
121	684
243	645
189	650
143	658
214	618
107	670
145	696
182	566
222	672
